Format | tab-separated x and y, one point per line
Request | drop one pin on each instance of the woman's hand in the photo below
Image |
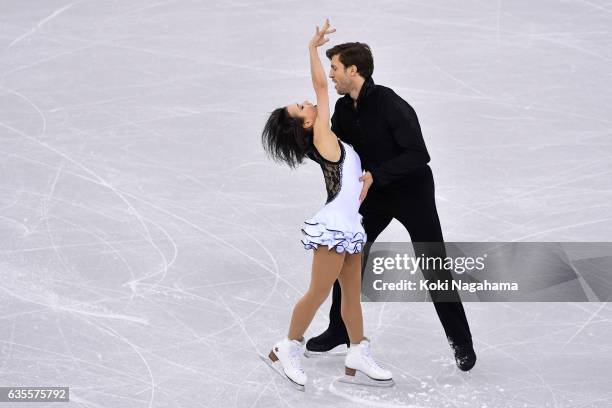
319	37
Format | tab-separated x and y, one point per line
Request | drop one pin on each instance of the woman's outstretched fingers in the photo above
319	37
327	28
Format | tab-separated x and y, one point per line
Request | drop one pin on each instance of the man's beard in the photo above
341	91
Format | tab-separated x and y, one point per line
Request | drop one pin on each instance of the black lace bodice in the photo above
332	171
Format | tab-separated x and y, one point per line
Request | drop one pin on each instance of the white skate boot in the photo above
285	359
360	367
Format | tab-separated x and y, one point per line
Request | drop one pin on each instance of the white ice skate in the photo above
285	359
360	367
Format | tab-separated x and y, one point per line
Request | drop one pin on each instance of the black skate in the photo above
330	343
465	357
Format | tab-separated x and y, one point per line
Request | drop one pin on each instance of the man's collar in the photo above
366	88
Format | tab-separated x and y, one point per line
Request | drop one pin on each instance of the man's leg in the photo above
416	209
376	217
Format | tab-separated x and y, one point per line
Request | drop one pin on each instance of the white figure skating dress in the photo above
338	224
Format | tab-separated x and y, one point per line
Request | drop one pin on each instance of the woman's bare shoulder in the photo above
328	145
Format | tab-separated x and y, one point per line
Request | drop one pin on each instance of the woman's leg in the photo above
376	218
359	356
350	282
326	266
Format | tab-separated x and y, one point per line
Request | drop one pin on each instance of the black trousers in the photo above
412	204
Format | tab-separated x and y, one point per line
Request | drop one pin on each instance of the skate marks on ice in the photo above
406	390
445	391
141	254
506	375
528	360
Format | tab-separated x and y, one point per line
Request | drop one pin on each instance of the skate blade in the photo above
339	350
362	379
278	369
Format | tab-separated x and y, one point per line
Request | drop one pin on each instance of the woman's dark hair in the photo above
354	53
284	138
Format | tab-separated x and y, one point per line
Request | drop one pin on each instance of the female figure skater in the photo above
335	233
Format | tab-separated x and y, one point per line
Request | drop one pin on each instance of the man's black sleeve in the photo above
406	131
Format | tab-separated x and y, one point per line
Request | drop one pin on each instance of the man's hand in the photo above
319	37
367	182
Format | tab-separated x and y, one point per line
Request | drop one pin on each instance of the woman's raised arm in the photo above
322	131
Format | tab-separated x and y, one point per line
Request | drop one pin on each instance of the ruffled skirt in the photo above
343	234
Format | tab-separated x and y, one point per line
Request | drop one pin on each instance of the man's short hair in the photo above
354	53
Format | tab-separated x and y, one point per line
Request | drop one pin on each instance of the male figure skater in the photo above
398	183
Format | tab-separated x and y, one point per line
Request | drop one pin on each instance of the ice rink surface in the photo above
149	250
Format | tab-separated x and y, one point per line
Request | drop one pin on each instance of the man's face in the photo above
339	76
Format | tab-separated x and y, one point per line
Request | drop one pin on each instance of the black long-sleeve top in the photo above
384	131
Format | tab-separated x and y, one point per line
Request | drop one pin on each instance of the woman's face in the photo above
305	110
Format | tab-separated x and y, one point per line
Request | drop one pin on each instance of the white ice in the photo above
149	250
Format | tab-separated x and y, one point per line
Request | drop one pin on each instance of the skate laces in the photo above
367	354
294	355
